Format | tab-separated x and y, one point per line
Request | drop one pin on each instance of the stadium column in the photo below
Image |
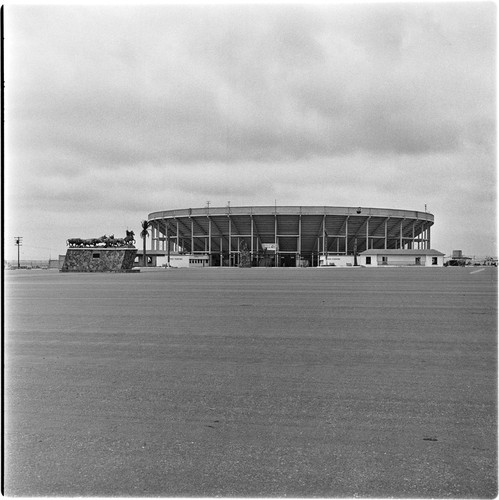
428	239
275	239
251	251
178	239
230	242
192	236
166	245
386	234
412	241
324	238
209	242
298	254
168	242
401	243
346	236
367	234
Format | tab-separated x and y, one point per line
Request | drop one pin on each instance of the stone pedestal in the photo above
99	260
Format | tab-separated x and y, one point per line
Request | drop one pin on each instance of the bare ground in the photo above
252	382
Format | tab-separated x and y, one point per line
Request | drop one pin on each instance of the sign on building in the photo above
270	247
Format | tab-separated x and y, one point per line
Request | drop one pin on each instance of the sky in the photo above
114	112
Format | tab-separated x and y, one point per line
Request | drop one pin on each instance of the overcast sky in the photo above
115	112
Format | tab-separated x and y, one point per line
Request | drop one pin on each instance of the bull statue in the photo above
74	242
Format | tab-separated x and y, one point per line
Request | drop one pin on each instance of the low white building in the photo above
401	257
336	260
177	260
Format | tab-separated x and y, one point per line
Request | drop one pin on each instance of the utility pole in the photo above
19	242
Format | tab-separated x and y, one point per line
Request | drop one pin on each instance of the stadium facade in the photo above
289	236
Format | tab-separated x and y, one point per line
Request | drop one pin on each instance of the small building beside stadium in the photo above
291	236
407	257
188	260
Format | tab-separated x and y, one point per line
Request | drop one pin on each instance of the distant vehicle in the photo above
455	263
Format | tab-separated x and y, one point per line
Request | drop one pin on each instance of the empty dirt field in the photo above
251	383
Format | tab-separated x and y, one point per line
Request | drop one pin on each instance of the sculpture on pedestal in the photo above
103	242
104	254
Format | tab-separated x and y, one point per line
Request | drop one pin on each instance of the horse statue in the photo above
121	242
129	239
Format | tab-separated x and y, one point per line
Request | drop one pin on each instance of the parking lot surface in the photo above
252	382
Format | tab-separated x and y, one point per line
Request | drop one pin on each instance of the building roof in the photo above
398	251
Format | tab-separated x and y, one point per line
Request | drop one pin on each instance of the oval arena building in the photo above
285	236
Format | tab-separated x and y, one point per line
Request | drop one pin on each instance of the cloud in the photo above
136	109
249	83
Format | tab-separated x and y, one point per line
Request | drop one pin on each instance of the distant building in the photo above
57	263
458	259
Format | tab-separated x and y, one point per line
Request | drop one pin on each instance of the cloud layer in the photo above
115	112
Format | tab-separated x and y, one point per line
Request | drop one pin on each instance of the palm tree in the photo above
144	234
168	242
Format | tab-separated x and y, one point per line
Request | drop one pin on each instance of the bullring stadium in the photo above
286	236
